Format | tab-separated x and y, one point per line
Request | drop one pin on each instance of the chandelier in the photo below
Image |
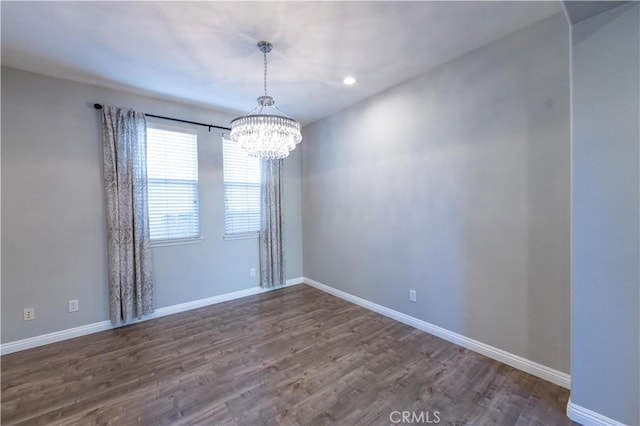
266	132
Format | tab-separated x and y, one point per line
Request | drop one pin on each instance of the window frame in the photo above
187	130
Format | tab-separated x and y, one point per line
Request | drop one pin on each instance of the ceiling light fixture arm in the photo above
265	47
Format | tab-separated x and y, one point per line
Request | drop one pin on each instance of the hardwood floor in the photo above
292	356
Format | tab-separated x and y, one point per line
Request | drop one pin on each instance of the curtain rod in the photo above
99	106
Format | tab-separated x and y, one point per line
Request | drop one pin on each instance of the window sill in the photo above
163	243
231	237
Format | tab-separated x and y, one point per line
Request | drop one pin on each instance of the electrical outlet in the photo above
253	272
29	314
74	305
412	295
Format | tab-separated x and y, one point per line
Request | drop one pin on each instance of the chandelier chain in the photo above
265	72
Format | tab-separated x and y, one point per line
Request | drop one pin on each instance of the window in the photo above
241	191
172	183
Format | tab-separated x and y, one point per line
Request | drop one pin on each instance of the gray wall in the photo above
606	214
53	222
455	184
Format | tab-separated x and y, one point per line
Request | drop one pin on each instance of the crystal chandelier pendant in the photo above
266	132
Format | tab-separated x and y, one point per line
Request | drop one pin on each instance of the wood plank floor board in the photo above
296	356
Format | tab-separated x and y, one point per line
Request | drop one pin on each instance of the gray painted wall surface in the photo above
605	214
455	184
53	222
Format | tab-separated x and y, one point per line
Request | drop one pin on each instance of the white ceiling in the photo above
578	11
204	52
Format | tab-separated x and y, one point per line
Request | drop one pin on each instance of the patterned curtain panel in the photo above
271	226
125	182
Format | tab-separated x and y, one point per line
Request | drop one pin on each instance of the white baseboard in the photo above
531	367
57	336
587	417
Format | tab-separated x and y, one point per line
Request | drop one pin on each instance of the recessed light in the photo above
349	80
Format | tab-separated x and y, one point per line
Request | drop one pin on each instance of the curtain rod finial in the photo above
97	106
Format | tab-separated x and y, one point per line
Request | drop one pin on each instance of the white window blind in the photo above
172	183
241	190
